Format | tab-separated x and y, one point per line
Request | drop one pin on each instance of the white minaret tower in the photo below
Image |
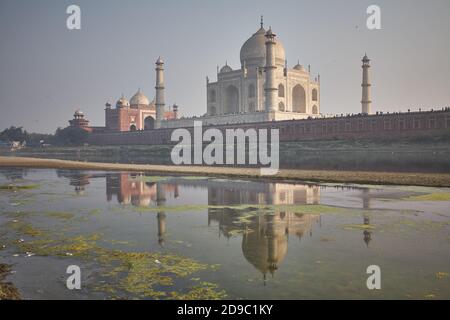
270	89
159	92
366	102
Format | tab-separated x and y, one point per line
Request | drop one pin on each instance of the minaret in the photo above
159	92
366	102
270	89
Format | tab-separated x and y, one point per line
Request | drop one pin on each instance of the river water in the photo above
174	237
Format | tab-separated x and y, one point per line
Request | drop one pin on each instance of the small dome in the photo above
160	61
226	68
139	99
299	67
122	103
78	113
254	50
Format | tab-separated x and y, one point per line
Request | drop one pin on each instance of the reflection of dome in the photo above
122	103
254	50
226	68
139	99
265	247
264	253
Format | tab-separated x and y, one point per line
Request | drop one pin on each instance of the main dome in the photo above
254	50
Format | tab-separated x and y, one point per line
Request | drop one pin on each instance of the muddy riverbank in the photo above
361	177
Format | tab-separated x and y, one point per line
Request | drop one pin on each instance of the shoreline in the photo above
318	176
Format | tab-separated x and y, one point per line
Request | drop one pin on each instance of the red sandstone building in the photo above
137	114
79	121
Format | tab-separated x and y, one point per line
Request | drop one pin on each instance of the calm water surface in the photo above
167	237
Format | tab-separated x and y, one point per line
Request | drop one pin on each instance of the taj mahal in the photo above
262	89
262	93
263	83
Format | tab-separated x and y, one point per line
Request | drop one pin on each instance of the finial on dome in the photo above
262	21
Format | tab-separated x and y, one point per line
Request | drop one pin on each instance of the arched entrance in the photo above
133	127
231	100
315	110
149	123
298	99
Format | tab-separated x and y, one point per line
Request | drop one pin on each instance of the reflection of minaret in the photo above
367	234
272	244
161	227
366	199
160	202
366	206
160	195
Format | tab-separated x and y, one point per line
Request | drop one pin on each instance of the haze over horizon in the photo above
49	71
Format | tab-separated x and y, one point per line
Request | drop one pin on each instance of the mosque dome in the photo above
254	50
122	103
78	113
139	99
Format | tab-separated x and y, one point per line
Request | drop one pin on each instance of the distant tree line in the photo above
66	136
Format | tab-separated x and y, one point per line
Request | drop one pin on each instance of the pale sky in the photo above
48	71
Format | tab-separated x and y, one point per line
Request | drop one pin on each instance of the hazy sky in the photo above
47	71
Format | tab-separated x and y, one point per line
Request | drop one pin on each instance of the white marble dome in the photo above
139	99
299	67
122	103
254	50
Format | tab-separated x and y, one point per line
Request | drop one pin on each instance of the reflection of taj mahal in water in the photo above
265	234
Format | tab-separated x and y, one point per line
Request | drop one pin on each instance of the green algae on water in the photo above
437	196
10	187
24	228
7	289
145	275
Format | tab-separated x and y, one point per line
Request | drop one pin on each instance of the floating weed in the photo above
437	196
150	178
24	228
359	226
300	209
194	178
124	274
441	275
203	291
7	290
11	187
59	215
94	212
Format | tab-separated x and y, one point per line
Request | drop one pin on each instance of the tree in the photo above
71	136
14	134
